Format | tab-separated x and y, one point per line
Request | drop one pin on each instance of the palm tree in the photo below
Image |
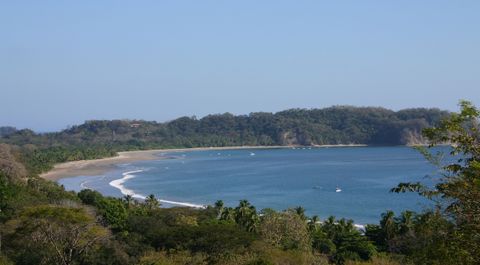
219	204
228	214
128	199
388	224
406	222
253	222
244	203
312	223
219	207
246	215
345	226
242	210
329	227
300	211
151	202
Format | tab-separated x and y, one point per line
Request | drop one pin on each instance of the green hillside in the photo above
41	223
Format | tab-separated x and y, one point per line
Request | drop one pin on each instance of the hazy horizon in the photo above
62	63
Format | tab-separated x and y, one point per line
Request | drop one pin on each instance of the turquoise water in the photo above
275	178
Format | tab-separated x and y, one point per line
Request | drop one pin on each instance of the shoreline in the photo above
100	166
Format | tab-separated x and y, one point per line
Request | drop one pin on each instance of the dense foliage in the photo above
335	125
457	191
41	223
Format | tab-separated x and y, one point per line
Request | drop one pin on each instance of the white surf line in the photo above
83	184
359	227
184	204
118	183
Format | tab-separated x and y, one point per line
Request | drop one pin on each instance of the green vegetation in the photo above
41	223
335	125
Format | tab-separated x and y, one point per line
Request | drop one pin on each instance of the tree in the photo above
128	199
286	230
246	215
301	212
405	222
179	257
113	211
53	235
457	191
90	197
228	214
219	207
9	167
151	202
6	192
388	225
313	223
341	241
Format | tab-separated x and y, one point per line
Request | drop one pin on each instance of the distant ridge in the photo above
333	125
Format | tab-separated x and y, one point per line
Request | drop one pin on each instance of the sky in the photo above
64	62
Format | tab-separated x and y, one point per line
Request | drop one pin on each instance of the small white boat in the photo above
337	189
252	154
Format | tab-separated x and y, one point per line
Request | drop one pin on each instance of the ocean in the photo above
346	182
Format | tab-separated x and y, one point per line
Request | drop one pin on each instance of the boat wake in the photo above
119	184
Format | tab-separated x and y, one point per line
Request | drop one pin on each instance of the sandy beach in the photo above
97	167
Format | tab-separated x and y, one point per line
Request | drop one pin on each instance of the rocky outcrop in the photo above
413	137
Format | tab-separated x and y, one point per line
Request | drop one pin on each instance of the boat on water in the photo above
337	189
252	154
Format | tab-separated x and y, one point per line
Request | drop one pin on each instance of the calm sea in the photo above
275	178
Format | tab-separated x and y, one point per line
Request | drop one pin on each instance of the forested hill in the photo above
334	125
41	223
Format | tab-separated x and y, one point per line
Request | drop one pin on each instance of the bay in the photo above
275	178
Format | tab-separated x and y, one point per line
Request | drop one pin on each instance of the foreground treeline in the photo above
335	125
41	223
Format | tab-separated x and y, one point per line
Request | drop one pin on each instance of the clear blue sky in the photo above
63	62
